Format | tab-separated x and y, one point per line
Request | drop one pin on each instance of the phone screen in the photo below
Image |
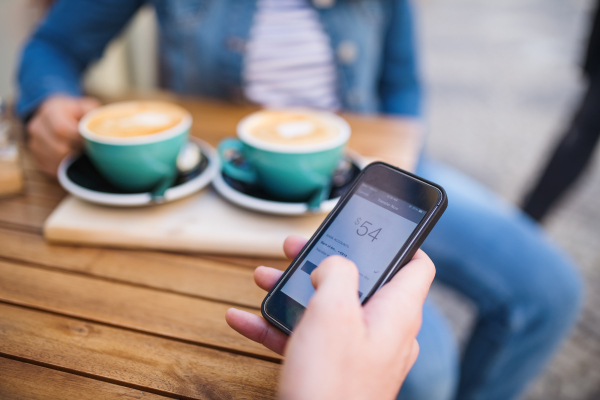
370	230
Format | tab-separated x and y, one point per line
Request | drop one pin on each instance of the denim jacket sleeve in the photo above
399	85
74	33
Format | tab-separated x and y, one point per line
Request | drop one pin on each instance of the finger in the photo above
335	306
44	163
256	329
48	153
414	278
336	272
398	305
49	145
65	127
57	120
293	245
336	284
87	104
266	277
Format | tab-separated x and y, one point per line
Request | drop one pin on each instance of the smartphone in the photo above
378	224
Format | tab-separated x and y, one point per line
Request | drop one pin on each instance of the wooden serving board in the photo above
203	222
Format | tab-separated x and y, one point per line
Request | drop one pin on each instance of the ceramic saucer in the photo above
254	198
78	176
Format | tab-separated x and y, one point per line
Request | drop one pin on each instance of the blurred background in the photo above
502	80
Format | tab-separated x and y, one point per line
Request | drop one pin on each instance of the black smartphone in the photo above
379	224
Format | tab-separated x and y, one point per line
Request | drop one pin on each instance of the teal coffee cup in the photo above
134	145
291	154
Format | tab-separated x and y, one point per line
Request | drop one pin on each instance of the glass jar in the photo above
11	173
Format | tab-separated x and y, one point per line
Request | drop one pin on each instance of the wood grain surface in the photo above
81	323
166	314
183	274
17	378
131	358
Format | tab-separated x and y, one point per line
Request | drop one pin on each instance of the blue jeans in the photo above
526	291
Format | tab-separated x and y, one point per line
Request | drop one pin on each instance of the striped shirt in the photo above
288	60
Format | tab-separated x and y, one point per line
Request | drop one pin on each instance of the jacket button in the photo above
323	3
347	52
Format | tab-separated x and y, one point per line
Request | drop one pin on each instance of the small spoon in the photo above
188	159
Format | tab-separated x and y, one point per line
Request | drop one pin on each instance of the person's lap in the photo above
526	292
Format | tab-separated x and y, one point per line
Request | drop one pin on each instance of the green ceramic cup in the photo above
300	173
139	163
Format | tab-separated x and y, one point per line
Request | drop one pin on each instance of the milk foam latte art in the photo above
131	119
293	130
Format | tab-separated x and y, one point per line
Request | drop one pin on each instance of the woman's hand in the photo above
53	129
339	349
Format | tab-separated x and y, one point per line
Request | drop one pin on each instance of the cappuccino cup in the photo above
135	144
290	153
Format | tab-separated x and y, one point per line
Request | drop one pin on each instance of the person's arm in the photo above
74	33
400	85
339	349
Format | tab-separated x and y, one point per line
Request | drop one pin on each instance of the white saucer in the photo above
277	207
141	199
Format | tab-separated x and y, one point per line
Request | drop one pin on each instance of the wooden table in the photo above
79	323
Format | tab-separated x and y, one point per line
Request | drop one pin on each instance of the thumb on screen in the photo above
335	279
335	306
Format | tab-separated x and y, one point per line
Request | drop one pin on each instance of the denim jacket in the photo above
201	47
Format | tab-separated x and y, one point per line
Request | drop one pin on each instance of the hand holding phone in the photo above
378	224
341	349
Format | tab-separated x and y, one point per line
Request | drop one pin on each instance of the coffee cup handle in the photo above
241	171
319	195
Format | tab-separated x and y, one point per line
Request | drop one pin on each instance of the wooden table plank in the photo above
189	275
37	182
23	381
166	314
31	247
44	188
249	262
27	213
133	359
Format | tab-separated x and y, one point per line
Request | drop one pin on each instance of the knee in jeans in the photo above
552	305
562	301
